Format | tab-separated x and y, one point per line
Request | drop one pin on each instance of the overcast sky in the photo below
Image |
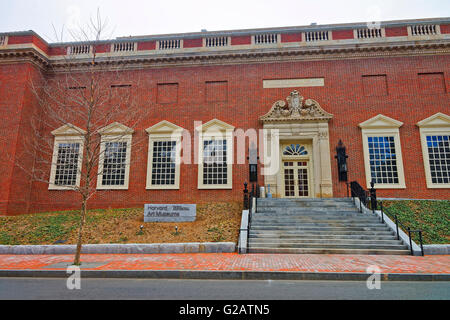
148	17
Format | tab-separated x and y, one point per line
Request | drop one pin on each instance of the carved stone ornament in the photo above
296	109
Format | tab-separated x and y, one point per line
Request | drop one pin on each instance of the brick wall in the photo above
201	96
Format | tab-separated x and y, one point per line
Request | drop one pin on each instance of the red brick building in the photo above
383	91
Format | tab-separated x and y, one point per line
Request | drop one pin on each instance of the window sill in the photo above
112	188
215	187
162	188
56	188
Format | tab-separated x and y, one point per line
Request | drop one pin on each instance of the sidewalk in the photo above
231	266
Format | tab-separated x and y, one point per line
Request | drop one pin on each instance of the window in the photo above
114	164
164	162
67	158
114	159
383	160
164	156
435	139
295	150
215	155
439	157
215	168
382	152
67	164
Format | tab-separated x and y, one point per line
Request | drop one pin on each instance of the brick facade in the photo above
408	87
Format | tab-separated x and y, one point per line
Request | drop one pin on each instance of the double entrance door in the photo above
296	179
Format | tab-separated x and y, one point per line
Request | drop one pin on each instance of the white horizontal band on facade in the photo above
291	83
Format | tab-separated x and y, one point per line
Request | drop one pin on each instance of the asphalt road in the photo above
92	289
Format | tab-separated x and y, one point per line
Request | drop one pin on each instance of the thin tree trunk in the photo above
80	232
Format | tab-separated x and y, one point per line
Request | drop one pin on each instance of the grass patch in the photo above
215	222
432	217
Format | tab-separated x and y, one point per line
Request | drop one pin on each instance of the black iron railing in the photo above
356	191
369	200
405	228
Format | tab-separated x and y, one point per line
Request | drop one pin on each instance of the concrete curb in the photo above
195	247
436	249
224	275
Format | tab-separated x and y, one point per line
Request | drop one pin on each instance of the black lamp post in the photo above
341	157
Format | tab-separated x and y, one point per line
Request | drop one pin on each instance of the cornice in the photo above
335	52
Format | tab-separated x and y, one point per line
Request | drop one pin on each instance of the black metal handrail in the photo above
357	191
370	197
408	229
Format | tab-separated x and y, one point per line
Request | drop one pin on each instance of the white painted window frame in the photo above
390	127
114	136
66	134
174	134
438	124
216	130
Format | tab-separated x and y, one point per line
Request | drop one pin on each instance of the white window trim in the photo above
164	131
114	132
438	124
66	134
377	126
215	130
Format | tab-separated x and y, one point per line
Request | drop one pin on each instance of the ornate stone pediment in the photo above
296	109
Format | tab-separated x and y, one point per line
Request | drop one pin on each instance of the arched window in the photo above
295	150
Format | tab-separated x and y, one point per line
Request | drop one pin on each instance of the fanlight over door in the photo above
295	150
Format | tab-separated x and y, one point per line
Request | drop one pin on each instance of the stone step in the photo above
328	246
306	241
308	233
329	251
305	200
308	211
300	220
322	229
305	205
316	224
324	226
325	237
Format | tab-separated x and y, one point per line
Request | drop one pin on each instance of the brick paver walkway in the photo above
236	262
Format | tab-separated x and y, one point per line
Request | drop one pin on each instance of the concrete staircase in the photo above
323	226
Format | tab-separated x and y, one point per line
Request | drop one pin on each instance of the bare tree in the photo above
91	92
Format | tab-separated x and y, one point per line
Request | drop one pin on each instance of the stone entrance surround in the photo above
302	121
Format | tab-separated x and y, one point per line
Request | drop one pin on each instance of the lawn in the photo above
215	222
432	217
